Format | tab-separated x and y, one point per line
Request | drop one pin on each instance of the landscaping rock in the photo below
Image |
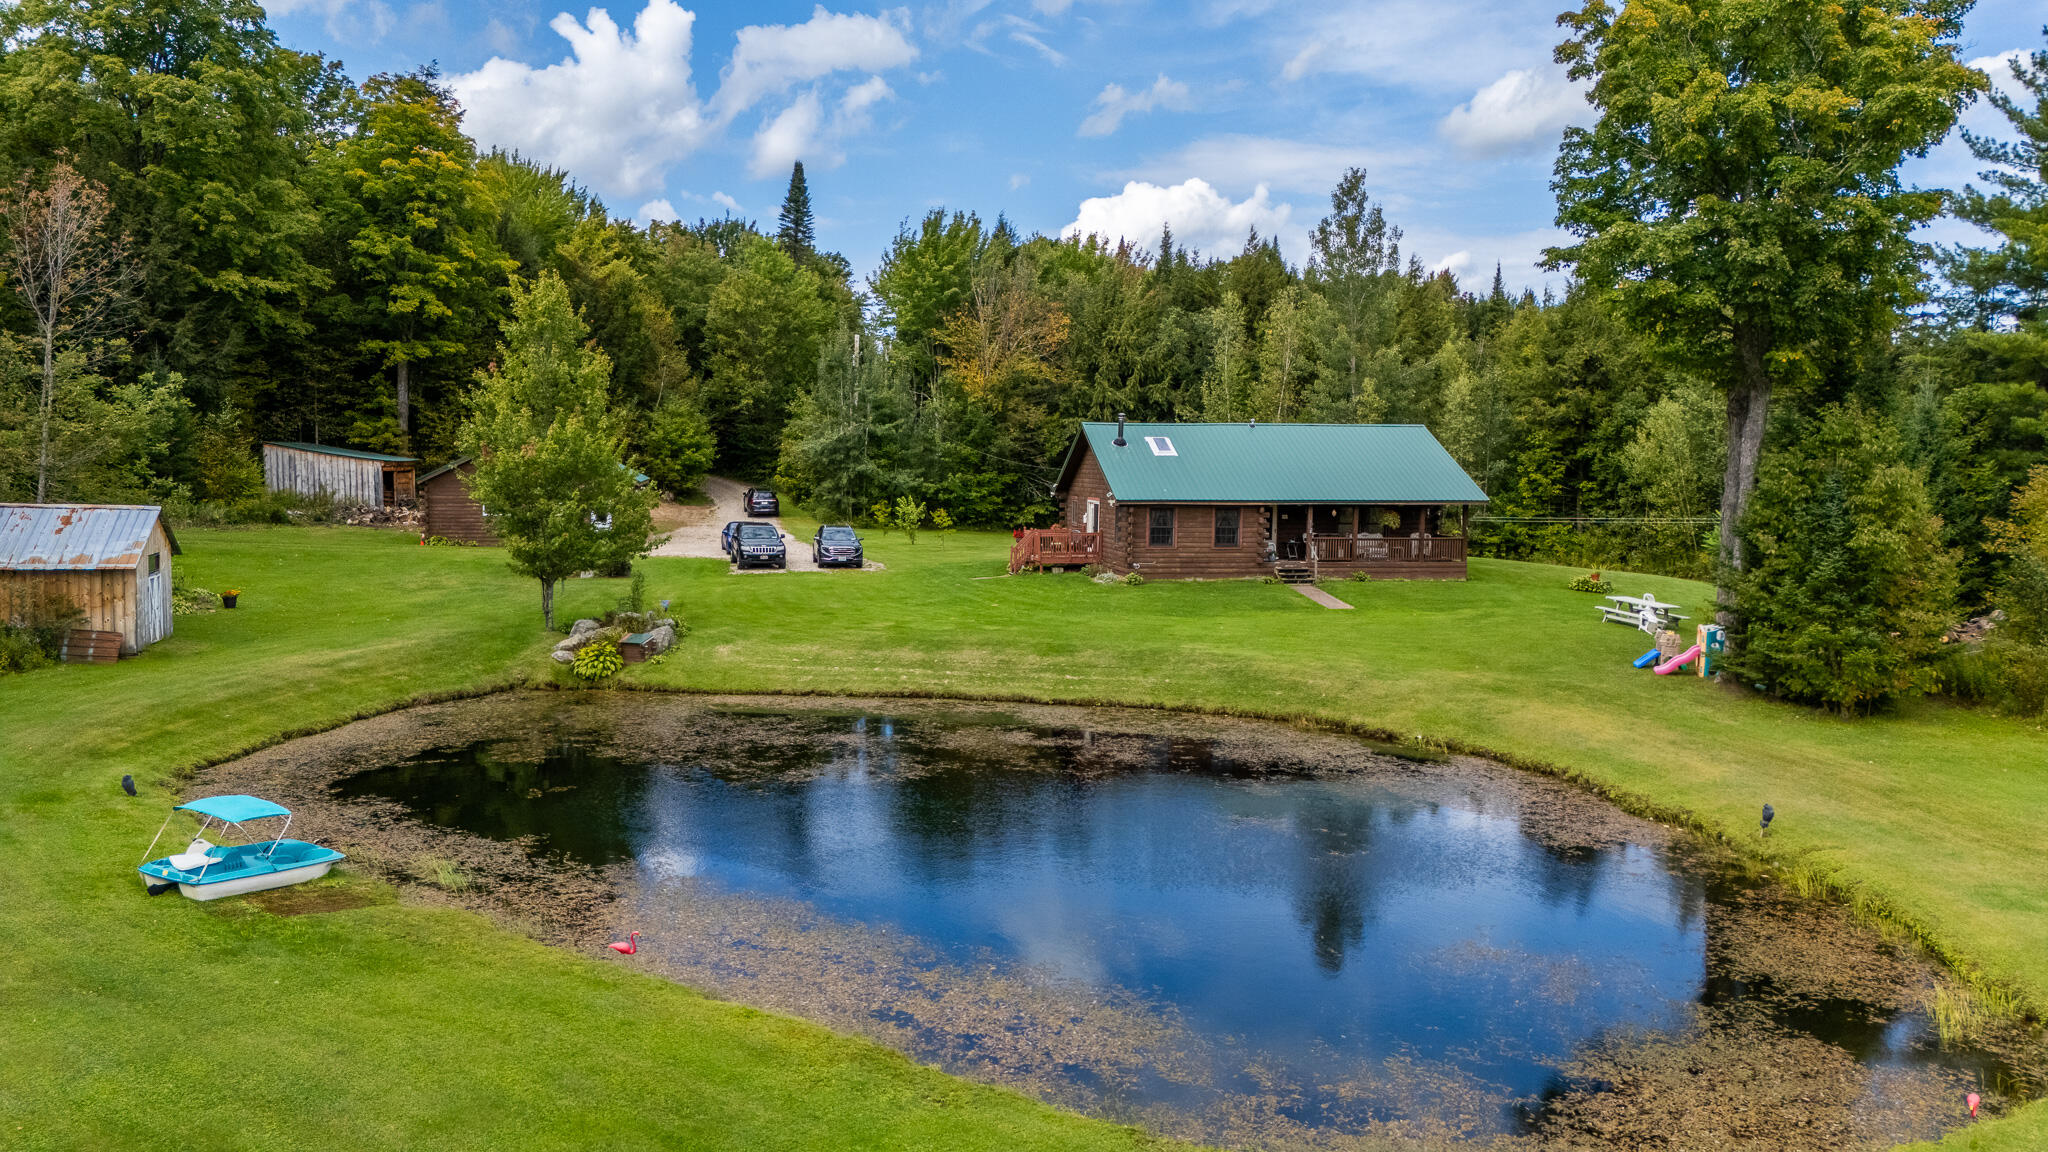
583	626
660	640
564	656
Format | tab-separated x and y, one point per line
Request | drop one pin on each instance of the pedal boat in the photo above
208	871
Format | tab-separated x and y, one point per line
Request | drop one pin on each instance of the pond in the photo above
1239	933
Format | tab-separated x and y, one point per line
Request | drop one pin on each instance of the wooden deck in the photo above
1042	548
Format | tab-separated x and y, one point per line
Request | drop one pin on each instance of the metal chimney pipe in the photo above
1119	441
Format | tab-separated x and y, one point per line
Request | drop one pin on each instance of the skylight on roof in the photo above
1160	445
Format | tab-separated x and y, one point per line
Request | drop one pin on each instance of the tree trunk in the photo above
547	603
46	413
404	398
1749	403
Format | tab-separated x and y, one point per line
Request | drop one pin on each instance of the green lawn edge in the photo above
400	1023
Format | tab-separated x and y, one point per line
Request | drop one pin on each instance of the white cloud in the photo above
1456	263
771	58
656	210
1052	55
1201	217
1288	165
1019	179
345	20
621	108
1112	104
788	137
500	38
1524	110
727	203
1428	45
803	132
616	112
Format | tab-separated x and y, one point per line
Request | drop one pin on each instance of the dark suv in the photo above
761	502
756	543
836	544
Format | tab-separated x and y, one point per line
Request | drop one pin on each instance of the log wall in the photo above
452	513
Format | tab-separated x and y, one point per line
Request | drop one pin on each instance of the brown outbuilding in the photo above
452	513
112	562
1298	501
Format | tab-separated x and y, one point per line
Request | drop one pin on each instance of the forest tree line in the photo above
268	249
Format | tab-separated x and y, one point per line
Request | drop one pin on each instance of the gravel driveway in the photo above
698	533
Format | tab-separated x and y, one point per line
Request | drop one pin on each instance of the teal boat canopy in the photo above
235	809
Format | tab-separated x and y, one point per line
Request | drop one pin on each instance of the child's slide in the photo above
1646	659
1679	661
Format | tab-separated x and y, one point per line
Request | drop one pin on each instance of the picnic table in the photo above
1645	612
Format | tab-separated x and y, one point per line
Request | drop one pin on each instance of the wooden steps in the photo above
1294	573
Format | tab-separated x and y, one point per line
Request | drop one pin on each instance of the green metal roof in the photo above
331	450
1275	464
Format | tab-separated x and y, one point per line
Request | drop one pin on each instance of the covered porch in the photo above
1339	539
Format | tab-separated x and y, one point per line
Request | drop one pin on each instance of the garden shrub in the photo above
1134	579
1591	583
598	661
33	622
190	600
1360	577
1848	589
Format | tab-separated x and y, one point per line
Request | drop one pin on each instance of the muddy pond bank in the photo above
1230	931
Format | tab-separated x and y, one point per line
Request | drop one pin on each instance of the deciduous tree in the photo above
1740	190
548	447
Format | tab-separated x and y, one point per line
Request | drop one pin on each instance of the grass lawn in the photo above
397	1025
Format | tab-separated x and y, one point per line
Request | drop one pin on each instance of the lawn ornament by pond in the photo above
1972	1099
128	785
626	947
208	871
1763	826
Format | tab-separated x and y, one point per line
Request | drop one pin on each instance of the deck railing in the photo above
1055	548
1389	550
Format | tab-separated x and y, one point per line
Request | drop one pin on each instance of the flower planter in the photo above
227	599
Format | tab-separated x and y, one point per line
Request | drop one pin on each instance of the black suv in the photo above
756	543
836	544
761	502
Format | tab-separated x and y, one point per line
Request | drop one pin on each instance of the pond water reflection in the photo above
1237	935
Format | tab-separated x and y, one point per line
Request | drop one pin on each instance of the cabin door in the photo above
1289	530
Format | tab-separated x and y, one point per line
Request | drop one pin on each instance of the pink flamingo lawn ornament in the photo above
1973	1100
631	944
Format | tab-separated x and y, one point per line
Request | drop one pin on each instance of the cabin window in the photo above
1161	445
1162	528
1226	527
156	563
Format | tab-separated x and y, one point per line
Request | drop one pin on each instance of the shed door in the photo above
150	613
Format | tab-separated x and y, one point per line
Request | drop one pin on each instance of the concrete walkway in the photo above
1319	596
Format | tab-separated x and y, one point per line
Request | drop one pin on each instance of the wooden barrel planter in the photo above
86	646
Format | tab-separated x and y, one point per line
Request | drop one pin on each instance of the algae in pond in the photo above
1232	932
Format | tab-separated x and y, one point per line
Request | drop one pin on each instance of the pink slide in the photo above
1679	661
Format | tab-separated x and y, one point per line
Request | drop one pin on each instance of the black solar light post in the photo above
1763	826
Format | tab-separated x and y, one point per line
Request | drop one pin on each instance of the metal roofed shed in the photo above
348	475
1298	501
112	561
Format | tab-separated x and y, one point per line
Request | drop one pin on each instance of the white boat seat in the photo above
191	861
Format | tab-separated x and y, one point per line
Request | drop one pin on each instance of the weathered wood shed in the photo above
113	561
452	514
349	475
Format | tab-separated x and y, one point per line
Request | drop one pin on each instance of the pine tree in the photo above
797	236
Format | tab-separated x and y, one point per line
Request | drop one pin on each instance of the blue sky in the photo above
1106	115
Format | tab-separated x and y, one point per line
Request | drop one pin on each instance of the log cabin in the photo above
112	562
1217	501
452	513
348	475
